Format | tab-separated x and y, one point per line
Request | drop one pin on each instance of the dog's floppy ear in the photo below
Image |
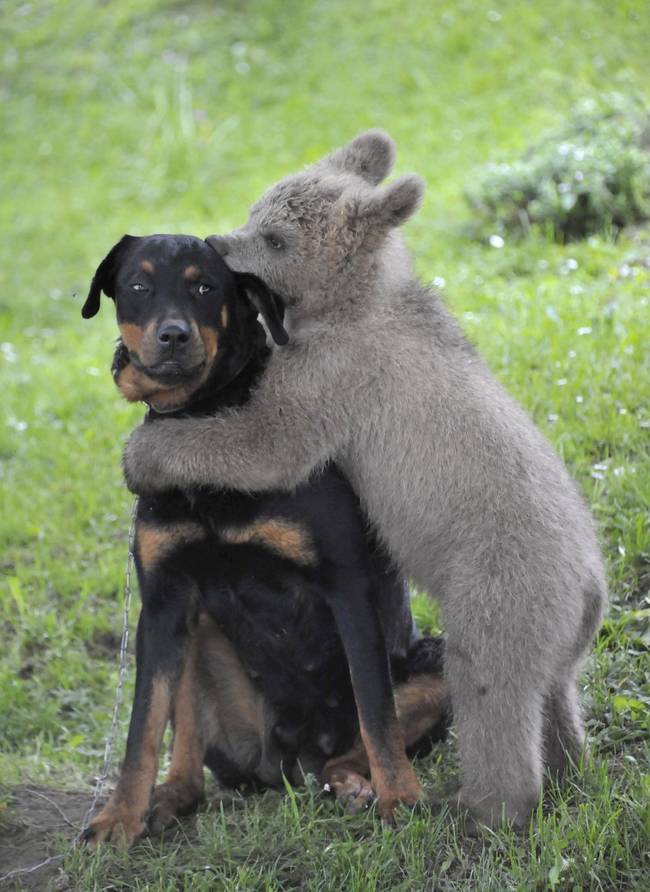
266	302
104	278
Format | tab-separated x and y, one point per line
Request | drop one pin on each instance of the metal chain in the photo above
121	678
112	733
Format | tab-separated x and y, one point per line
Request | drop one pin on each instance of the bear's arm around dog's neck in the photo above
294	423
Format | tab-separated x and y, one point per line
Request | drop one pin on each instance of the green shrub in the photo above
591	176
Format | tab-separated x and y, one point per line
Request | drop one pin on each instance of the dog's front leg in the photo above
391	773
160	656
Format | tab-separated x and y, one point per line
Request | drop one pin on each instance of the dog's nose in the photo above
173	333
219	243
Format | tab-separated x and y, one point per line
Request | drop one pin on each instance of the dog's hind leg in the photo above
422	707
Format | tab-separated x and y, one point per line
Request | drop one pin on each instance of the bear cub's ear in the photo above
371	156
386	207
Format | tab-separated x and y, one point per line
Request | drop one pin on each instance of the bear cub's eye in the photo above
203	288
274	241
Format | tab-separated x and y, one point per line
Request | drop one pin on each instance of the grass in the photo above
173	116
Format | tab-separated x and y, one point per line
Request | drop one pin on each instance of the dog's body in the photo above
252	605
467	495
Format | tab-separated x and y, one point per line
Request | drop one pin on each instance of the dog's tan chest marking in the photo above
154	542
288	539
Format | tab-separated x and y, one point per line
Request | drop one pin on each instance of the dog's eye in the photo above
203	288
274	242
138	286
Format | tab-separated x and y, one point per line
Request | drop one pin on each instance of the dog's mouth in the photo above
170	372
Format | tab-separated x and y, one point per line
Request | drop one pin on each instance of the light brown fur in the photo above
154	542
286	538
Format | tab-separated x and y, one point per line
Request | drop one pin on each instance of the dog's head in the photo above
183	317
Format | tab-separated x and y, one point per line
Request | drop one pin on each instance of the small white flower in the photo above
585	330
8	351
496	241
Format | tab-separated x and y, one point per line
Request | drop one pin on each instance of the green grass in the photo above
160	116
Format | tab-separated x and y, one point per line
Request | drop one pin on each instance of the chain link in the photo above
112	733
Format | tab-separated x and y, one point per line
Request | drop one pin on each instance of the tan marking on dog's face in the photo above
155	542
224	316
132	335
210	340
282	536
191	273
136	386
147	266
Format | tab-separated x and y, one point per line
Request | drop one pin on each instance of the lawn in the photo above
172	117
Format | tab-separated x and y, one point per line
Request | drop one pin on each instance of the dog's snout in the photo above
173	333
219	243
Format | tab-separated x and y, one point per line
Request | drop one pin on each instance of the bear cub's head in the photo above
327	235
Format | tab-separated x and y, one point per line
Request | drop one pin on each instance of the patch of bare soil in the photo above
35	825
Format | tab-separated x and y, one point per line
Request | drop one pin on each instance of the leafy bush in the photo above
591	176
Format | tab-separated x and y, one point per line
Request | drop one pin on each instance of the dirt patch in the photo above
36	824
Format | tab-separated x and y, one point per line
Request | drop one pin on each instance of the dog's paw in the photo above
353	791
115	824
171	801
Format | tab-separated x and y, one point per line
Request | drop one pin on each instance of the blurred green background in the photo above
173	117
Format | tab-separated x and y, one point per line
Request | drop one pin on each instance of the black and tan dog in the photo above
272	627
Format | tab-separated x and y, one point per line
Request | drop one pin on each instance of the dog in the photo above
253	605
466	495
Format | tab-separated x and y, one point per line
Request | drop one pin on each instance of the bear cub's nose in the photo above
219	243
